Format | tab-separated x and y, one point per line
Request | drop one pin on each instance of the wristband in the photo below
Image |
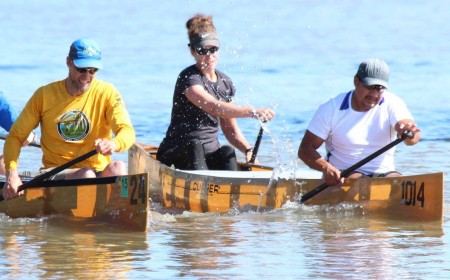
248	150
254	114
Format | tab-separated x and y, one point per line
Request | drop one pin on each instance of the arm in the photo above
235	136
307	152
21	132
124	134
408	124
202	99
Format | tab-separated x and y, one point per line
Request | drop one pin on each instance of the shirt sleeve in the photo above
120	123
22	127
320	123
7	113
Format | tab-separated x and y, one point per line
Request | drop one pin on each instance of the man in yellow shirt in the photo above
75	115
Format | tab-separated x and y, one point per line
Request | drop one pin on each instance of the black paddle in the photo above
74	182
36	180
346	172
256	147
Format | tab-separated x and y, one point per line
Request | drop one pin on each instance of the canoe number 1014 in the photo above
412	194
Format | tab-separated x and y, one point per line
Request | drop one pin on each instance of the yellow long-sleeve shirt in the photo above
71	124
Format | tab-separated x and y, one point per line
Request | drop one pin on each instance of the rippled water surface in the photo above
289	56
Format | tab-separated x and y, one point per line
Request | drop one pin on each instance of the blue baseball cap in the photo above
86	53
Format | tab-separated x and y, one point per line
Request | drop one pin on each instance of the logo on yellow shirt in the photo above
73	126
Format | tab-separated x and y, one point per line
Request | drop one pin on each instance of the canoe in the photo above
118	200
142	159
418	197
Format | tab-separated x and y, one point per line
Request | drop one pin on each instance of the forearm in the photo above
313	159
229	110
234	134
238	140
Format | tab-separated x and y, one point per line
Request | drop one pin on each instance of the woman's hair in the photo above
199	24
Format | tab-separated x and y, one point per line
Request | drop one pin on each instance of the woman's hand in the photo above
248	156
263	114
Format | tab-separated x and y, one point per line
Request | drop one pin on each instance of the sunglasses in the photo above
375	87
91	71
203	51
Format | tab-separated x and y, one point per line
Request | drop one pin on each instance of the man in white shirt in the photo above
355	124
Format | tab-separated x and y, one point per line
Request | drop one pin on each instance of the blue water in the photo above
286	55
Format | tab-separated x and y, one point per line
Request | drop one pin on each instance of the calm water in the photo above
289	56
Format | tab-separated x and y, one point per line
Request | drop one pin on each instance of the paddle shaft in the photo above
32	144
56	170
357	165
74	182
256	147
36	180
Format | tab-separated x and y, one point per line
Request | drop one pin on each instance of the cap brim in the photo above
206	43
372	82
88	63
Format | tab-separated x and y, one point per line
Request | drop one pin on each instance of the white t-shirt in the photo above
350	136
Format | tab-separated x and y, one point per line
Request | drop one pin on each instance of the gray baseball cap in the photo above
205	39
373	72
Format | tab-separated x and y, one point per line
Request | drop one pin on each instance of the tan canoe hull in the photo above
418	197
123	203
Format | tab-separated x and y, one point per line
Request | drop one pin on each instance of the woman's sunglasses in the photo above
203	51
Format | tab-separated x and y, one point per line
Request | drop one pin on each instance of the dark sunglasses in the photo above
91	71
375	87
203	51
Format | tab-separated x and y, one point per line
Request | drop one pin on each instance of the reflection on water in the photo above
316	243
56	247
374	248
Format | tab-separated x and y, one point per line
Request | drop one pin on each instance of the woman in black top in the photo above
201	103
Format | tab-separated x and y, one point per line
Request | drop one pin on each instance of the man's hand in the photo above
408	125
332	175
12	184
105	147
